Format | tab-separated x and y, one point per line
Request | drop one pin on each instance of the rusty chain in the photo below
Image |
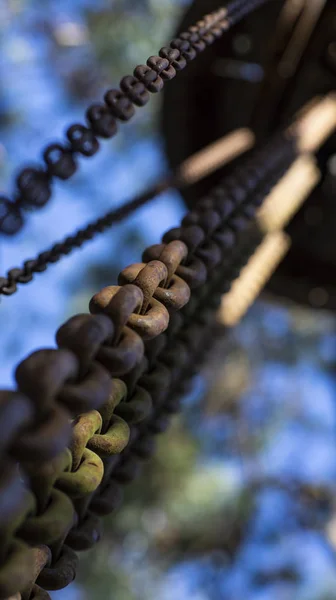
34	184
84	416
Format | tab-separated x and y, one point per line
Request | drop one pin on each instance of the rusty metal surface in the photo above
85	416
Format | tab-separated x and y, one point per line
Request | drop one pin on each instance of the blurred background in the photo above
238	501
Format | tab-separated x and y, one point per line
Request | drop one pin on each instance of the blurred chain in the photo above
33	184
85	416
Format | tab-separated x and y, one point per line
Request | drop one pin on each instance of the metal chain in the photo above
39	264
118	374
177	351
34	184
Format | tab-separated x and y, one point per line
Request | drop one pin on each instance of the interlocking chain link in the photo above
34	185
85	416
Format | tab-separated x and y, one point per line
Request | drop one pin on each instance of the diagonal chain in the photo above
34	185
85	416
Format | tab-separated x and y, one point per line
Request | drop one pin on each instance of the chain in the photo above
34	185
25	273
85	416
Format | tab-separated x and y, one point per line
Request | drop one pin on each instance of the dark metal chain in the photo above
118	373
24	274
34	185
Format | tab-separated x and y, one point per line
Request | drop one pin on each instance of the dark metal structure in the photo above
259	75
